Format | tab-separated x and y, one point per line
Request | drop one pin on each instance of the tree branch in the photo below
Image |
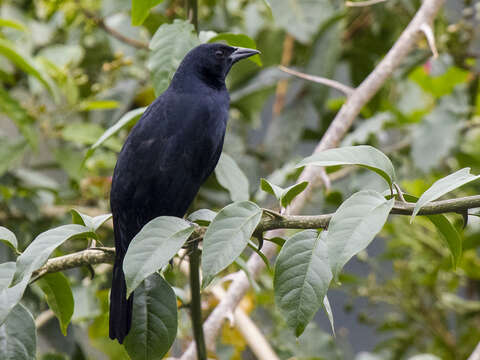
275	221
100	22
336	131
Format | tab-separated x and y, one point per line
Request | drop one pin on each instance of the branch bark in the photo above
275	221
336	131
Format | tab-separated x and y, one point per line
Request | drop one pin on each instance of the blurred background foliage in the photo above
66	77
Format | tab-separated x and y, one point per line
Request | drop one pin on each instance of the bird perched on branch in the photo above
168	154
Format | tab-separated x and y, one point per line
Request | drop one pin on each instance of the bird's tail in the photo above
120	307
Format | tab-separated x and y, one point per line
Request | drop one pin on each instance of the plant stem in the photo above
195	303
192	13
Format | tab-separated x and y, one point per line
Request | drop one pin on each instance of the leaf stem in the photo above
195	303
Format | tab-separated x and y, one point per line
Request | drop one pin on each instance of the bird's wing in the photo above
167	156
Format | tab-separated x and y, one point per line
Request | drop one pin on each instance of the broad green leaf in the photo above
152	248
92	223
450	235
302	277
285	196
12	24
301	18
438	133
154	324
8	237
7	269
227	237
443	186
169	45
328	311
127	119
38	252
232	178
19	116
98	105
63	56
10	152
83	133
141	9
446	229
241	40
354	225
362	155
18	336
25	63
58	294
202	217
9	297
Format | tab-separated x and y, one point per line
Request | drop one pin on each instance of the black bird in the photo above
168	154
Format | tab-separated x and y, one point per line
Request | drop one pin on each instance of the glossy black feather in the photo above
167	156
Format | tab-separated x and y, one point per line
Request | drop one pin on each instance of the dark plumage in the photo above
169	153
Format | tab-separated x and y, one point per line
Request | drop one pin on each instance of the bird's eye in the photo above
219	54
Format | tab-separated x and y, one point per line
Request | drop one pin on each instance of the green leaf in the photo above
438	133
354	225
92	223
58	294
168	46
12	24
328	311
152	248
10	151
83	133
232	178
8	237
154	324
227	237
285	196
202	217
141	9
9	297
301	18
18	336
362	155
450	235
38	252
302	277
241	40
443	186
447	230
26	64
127	119
98	105
7	269
19	116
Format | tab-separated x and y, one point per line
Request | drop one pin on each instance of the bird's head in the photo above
212	62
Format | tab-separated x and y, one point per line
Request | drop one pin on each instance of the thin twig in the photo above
196	302
282	86
106	255
363	3
428	31
347	90
100	22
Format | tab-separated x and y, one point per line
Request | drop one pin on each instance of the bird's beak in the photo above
242	53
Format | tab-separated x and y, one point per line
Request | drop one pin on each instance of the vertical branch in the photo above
192	12
195	303
282	85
